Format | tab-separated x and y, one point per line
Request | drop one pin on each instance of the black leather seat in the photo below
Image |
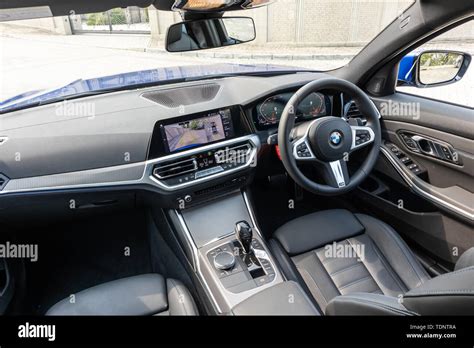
146	294
356	264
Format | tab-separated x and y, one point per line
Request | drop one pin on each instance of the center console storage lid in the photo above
285	298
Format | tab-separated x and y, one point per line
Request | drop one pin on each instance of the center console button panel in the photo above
250	270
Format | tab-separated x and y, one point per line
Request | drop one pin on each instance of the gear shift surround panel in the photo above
251	269
230	265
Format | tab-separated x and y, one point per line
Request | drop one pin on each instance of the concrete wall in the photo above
324	22
57	25
294	22
161	20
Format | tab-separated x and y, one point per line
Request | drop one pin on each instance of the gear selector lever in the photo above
244	234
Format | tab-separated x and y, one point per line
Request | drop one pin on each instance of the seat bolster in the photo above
395	251
466	260
139	295
448	294
366	304
179	299
317	229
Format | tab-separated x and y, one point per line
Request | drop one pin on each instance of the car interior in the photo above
308	195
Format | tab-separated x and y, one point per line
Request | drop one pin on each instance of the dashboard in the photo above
147	139
269	111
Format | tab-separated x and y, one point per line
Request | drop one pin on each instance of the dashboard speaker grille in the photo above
176	97
3	181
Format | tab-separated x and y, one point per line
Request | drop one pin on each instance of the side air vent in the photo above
352	111
176	97
3	181
168	170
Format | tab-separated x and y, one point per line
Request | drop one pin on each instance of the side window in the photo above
441	68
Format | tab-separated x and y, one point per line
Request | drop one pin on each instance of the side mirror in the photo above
432	68
202	34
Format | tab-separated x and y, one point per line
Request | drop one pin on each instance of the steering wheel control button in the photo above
362	136
302	150
224	261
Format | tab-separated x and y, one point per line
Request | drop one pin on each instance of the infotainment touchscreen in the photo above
198	131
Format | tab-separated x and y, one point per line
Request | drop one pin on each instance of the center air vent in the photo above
234	154
176	97
3	181
169	170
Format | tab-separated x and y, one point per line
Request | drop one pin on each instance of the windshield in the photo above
49	58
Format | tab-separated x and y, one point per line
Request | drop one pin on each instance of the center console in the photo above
196	157
232	260
201	163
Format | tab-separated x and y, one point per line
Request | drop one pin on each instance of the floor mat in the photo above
276	203
81	254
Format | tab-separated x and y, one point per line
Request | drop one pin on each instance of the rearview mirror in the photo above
202	34
432	68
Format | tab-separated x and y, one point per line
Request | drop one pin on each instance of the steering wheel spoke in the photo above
336	173
361	137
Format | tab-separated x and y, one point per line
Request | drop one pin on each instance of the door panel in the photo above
434	206
441	173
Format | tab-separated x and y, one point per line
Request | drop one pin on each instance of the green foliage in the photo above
438	59
194	125
116	15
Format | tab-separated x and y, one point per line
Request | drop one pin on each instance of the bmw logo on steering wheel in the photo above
335	138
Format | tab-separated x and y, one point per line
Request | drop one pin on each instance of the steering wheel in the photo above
328	141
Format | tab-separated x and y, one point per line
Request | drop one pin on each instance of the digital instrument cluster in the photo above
269	111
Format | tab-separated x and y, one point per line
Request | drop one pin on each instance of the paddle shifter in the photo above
244	234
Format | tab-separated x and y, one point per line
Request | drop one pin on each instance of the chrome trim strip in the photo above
81	179
141	170
197	265
251	213
337	173
422	192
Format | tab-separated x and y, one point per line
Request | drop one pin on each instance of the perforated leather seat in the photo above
336	253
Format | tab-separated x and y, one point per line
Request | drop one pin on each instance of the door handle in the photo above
425	146
430	147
